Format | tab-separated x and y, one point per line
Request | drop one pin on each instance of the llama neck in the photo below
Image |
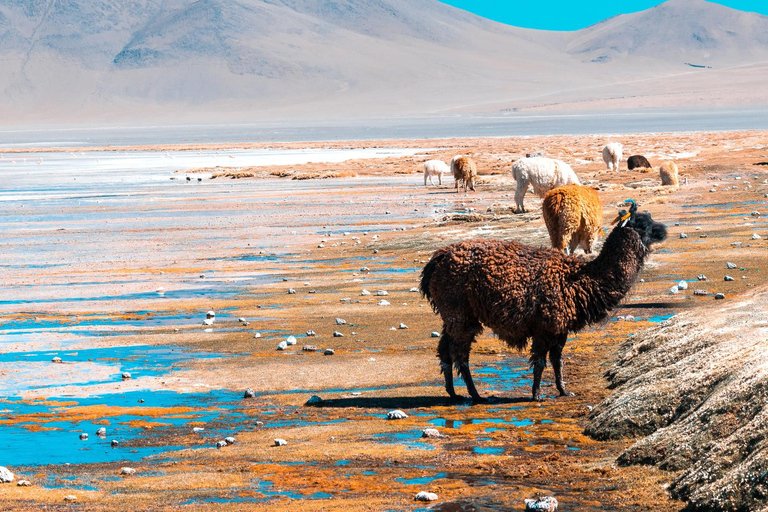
607	279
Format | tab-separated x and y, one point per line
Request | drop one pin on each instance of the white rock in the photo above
337	334
208	321
5	475
341	321
414	289
83	436
229	440
683	235
381	293
755	236
383	302
70	497
198	429
282	345
397	414
114	443
56	359
543	504
329	352
127	471
674	290
242	320
23	483
125	376
431	433
221	444
291	291
257	335
314	399
280	442
402	326
249	393
290	340
425	496
682	285
365	292
728	264
434	334
101	432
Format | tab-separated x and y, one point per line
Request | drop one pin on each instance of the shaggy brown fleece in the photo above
464	170
668	173
573	215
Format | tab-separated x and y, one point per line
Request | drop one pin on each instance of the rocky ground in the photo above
371	226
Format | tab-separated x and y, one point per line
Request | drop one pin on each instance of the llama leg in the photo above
555	354
440	179
446	364
467	376
538	362
519	195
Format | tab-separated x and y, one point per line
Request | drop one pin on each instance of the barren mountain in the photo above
258	60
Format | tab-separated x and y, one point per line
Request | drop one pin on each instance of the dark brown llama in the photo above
523	292
638	162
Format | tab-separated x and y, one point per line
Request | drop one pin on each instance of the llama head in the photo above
649	230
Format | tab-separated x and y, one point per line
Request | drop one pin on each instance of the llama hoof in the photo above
456	398
480	400
566	393
537	398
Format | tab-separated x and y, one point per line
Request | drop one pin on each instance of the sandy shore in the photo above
84	284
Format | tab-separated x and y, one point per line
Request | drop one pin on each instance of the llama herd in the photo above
523	292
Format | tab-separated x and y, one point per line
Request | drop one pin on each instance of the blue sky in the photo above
570	14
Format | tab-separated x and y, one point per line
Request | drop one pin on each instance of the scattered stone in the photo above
114	443
311	333
23	483
6	475
337	334
309	348
383	302
257	335
700	292
259	424
431	433
280	442
127	471
282	345
728	264
434	334
719	296
328	352
683	235
198	429
728	278
755	236
314	399
402	326
543	504
101	432
290	340
397	414
70	497
365	292
673	290
126	376
320	246
229	440
629	318
376	251
291	291
341	321
682	285
210	314
381	293
414	289
701	277
365	270
703	236
345	299
249	393
56	359
83	436
425	496
221	444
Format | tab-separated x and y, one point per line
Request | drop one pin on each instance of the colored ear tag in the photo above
624	218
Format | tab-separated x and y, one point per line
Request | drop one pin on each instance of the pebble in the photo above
329	352
434	334
337	334
309	348
402	326
229	440
208	321
702	236
24	483
126	376
345	299
127	471
683	235
198	429
70	497
682	285
365	270
673	290
311	333
290	340
755	236
291	291
249	393
425	496
431	433
719	296
5	475
280	442
83	436
397	414
341	321
414	289
728	264
728	278
101	432
543	504
365	292
314	399
282	345
700	292
257	335
56	359
701	277
210	314
381	293
114	443
221	444
383	302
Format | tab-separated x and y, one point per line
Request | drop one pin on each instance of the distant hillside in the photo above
259	60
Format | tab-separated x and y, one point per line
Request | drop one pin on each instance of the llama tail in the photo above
426	276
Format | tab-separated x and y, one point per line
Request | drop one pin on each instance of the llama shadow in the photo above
410	402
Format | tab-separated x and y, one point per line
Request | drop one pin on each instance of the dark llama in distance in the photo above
638	162
522	292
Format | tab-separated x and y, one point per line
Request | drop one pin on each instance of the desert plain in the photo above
121	282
